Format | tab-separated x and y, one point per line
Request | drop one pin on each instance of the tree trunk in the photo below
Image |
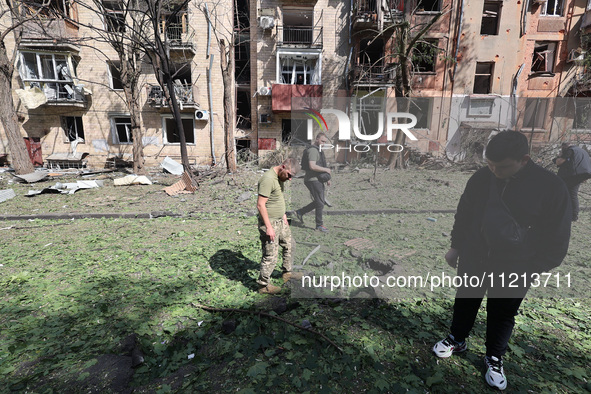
229	117
128	76
19	156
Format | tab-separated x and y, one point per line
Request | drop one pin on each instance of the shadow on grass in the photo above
235	266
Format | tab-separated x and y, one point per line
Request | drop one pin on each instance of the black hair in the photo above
507	145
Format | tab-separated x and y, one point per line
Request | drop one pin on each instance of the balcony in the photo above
299	37
282	95
367	13
183	94
586	22
60	93
368	75
180	38
48	31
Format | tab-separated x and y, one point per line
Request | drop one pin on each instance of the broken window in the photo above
582	120
491	16
115	75
121	130
299	70
294	131
424	56
483	78
114	16
543	57
241	15
171	134
49	72
242	62
421	108
243	120
535	113
49	9
429	5
73	128
552	8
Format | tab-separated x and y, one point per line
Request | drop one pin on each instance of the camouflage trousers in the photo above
270	249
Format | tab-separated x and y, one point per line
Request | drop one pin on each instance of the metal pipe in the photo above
211	110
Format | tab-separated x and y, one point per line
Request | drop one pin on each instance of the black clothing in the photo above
316	189
539	202
536	198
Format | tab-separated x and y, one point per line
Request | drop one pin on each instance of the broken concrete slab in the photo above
172	166
132	180
32	177
6	195
185	185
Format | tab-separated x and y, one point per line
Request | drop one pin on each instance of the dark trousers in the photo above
572	184
500	319
317	191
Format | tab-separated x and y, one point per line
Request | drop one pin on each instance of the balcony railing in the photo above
179	37
59	92
182	92
373	74
299	36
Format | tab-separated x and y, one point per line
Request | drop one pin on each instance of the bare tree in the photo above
12	17
221	20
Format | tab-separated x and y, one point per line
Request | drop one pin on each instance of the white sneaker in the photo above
495	376
445	348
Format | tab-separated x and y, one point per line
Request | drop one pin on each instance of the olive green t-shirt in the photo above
270	187
313	156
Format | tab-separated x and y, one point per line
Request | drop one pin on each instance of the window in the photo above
171	134
121	130
175	25
299	70
49	9
491	15
483	77
298	25
535	113
114	16
543	57
421	108
115	74
429	5
50	72
588	5
582	119
294	131
552	8
73	128
424	56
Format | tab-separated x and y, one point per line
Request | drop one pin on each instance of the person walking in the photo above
274	231
574	167
317	175
514	218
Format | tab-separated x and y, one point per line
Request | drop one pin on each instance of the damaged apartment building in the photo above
482	66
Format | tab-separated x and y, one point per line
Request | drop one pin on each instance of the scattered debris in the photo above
66	188
432	219
185	185
6	195
172	166
132	180
32	177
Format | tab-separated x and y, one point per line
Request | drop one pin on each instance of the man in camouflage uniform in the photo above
273	226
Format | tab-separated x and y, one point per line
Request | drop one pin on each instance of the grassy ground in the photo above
74	291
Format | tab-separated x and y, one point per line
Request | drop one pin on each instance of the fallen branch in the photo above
208	308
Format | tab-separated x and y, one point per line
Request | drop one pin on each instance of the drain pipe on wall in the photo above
209	86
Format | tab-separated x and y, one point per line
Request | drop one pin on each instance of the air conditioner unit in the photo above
264	91
266	22
264	118
201	114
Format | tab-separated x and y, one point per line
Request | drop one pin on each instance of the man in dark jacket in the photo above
574	167
512	219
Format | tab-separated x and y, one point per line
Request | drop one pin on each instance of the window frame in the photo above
114	11
437	5
314	72
78	122
498	4
115	132
548	63
112	78
556	4
165	134
433	45
490	76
